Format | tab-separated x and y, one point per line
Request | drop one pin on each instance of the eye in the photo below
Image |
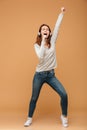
47	29
43	29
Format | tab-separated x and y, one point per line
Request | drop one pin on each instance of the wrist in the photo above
43	42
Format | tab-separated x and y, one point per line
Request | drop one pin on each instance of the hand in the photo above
63	9
44	37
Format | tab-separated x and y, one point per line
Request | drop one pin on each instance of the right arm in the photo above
40	50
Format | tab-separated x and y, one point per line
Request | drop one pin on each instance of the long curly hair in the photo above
39	37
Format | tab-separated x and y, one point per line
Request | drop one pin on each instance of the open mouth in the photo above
45	33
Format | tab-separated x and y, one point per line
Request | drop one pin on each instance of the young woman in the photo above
45	51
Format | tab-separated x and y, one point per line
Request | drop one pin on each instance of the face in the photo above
45	31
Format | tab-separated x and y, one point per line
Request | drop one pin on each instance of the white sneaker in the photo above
64	121
28	122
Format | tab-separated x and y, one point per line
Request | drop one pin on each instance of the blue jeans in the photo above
47	77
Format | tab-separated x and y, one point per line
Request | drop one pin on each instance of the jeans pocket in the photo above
40	74
51	73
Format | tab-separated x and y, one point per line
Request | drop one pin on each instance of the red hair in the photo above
39	37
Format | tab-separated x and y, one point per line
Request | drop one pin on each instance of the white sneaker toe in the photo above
28	122
64	121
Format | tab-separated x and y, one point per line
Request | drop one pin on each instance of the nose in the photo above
45	30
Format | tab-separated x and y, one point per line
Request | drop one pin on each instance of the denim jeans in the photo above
47	77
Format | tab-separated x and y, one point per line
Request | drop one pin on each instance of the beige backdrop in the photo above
19	23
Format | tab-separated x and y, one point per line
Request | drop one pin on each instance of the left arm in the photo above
57	26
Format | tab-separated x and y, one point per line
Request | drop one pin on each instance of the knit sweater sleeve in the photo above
40	50
56	28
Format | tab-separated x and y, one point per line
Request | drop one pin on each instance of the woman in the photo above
45	50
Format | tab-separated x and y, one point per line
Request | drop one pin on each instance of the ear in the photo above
39	33
50	34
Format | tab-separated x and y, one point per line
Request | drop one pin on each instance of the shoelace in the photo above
65	120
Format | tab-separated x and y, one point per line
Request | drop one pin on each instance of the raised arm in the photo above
57	26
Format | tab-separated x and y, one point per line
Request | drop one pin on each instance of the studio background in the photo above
19	24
